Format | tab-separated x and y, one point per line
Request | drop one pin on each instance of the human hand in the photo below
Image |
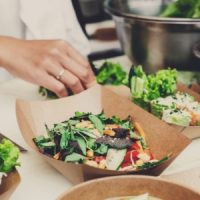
53	64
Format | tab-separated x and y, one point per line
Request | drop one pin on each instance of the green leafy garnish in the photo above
182	9
102	150
97	122
112	73
82	144
145	88
74	157
9	155
64	139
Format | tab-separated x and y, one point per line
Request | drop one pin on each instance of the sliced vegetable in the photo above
115	158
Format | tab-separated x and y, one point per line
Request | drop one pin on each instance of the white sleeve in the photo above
53	19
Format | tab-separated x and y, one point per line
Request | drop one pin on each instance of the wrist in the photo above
5	50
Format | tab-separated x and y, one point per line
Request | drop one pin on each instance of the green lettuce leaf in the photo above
9	155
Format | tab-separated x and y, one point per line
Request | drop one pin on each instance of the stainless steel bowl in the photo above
153	41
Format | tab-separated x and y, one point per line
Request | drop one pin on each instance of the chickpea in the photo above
109	132
139	162
90	153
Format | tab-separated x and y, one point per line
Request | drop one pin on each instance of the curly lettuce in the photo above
112	74
9	155
145	88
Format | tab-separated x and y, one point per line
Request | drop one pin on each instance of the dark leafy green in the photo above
182	9
112	74
102	150
97	122
82	144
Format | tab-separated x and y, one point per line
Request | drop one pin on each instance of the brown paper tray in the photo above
9	184
192	132
161	138
101	189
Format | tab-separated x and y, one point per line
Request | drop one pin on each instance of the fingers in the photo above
84	74
72	82
67	78
54	85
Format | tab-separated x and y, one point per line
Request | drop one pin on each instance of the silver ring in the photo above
59	76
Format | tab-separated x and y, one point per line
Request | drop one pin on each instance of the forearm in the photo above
6	44
41	61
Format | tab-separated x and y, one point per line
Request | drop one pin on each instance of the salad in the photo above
145	88
98	141
182	9
109	73
157	93
9	155
180	109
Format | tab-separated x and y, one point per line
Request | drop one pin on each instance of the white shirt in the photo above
41	19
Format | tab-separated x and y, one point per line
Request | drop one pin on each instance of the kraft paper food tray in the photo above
9	184
104	188
161	138
191	132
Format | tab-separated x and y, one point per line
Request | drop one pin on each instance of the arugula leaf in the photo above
74	157
127	124
97	123
86	132
91	143
82	144
65	139
102	150
48	144
40	140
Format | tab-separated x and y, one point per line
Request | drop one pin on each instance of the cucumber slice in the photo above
114	158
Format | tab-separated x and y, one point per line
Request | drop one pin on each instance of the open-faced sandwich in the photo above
158	94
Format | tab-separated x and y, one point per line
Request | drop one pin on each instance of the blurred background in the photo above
142	32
